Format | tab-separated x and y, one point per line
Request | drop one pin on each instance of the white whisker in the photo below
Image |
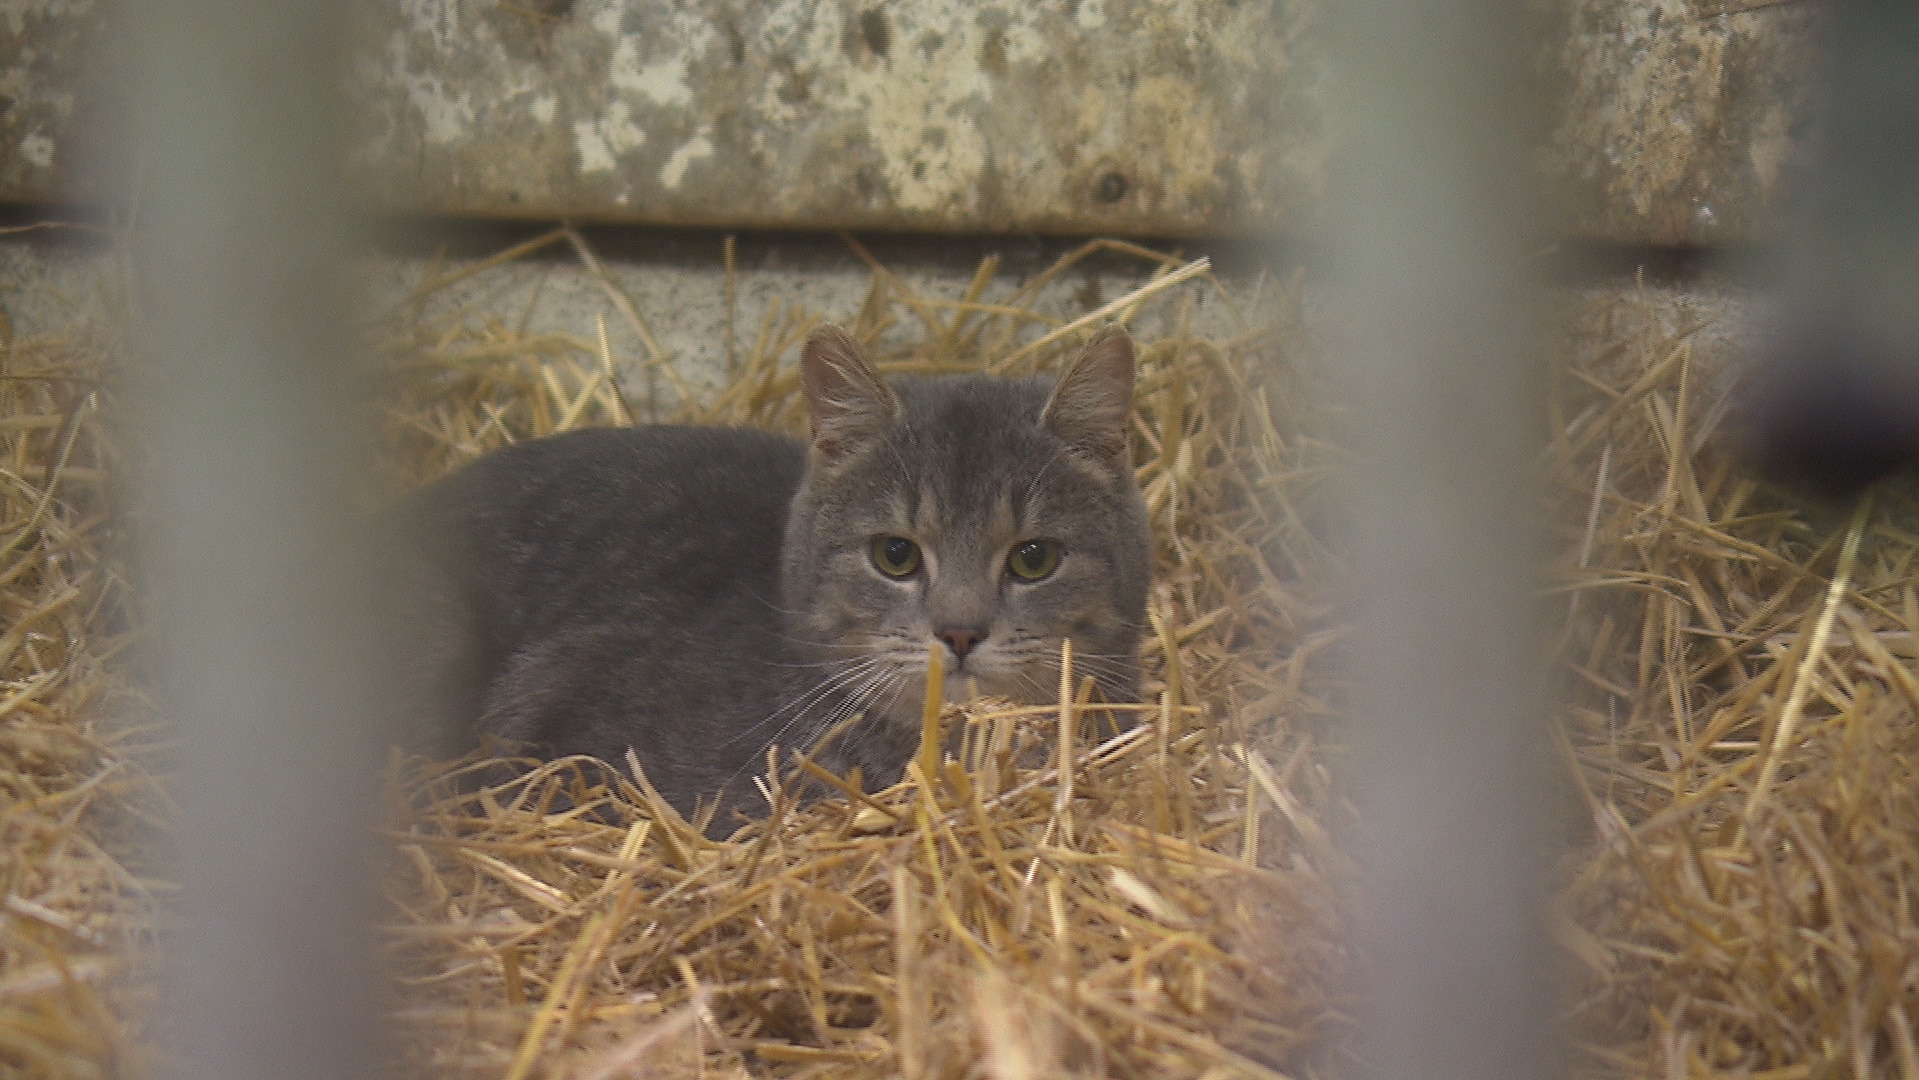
819	692
844	709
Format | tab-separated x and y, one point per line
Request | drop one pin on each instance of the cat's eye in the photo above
1032	560
896	556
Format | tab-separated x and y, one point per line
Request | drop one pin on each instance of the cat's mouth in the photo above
961	685
973	678
963	688
984	673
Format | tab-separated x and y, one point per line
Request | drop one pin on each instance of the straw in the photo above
1737	692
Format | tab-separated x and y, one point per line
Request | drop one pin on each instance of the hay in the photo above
1738	737
82	883
1740	705
1113	918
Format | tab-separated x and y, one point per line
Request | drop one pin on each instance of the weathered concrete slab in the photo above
51	284
1146	116
1674	122
47	49
1677	119
62	283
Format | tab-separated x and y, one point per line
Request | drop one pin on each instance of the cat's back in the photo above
667	461
608	516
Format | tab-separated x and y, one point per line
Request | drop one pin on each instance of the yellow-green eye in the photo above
1033	559
896	556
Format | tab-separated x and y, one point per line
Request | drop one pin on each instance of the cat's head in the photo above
989	517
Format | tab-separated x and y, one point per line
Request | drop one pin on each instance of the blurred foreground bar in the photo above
1444	388
242	392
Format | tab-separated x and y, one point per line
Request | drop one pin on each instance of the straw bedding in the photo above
1736	734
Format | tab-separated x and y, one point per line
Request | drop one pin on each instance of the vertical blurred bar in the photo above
1430	233
1838	397
239	233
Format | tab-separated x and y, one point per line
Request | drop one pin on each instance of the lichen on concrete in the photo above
1671	121
45	49
1144	116
1675	118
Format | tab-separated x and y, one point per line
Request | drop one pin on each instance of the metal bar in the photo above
239	234
1431	226
1838	398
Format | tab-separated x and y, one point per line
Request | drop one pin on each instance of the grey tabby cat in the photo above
698	594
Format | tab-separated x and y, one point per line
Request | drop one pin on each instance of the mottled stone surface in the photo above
47	50
1673	121
1138	116
1677	120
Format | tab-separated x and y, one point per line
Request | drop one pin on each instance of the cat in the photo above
698	594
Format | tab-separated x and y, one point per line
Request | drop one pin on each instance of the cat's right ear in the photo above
849	405
1092	406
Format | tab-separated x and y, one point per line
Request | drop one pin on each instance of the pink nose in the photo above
959	639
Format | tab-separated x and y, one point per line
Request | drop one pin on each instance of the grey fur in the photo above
698	594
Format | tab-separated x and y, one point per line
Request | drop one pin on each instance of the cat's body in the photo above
572	598
698	594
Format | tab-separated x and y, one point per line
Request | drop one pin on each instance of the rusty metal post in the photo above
239	229
1431	225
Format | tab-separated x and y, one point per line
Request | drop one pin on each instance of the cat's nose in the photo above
960	639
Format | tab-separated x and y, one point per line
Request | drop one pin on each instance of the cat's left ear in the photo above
1092	407
848	403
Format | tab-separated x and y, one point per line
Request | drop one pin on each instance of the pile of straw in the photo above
1741	725
1737	728
83	877
1165	905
